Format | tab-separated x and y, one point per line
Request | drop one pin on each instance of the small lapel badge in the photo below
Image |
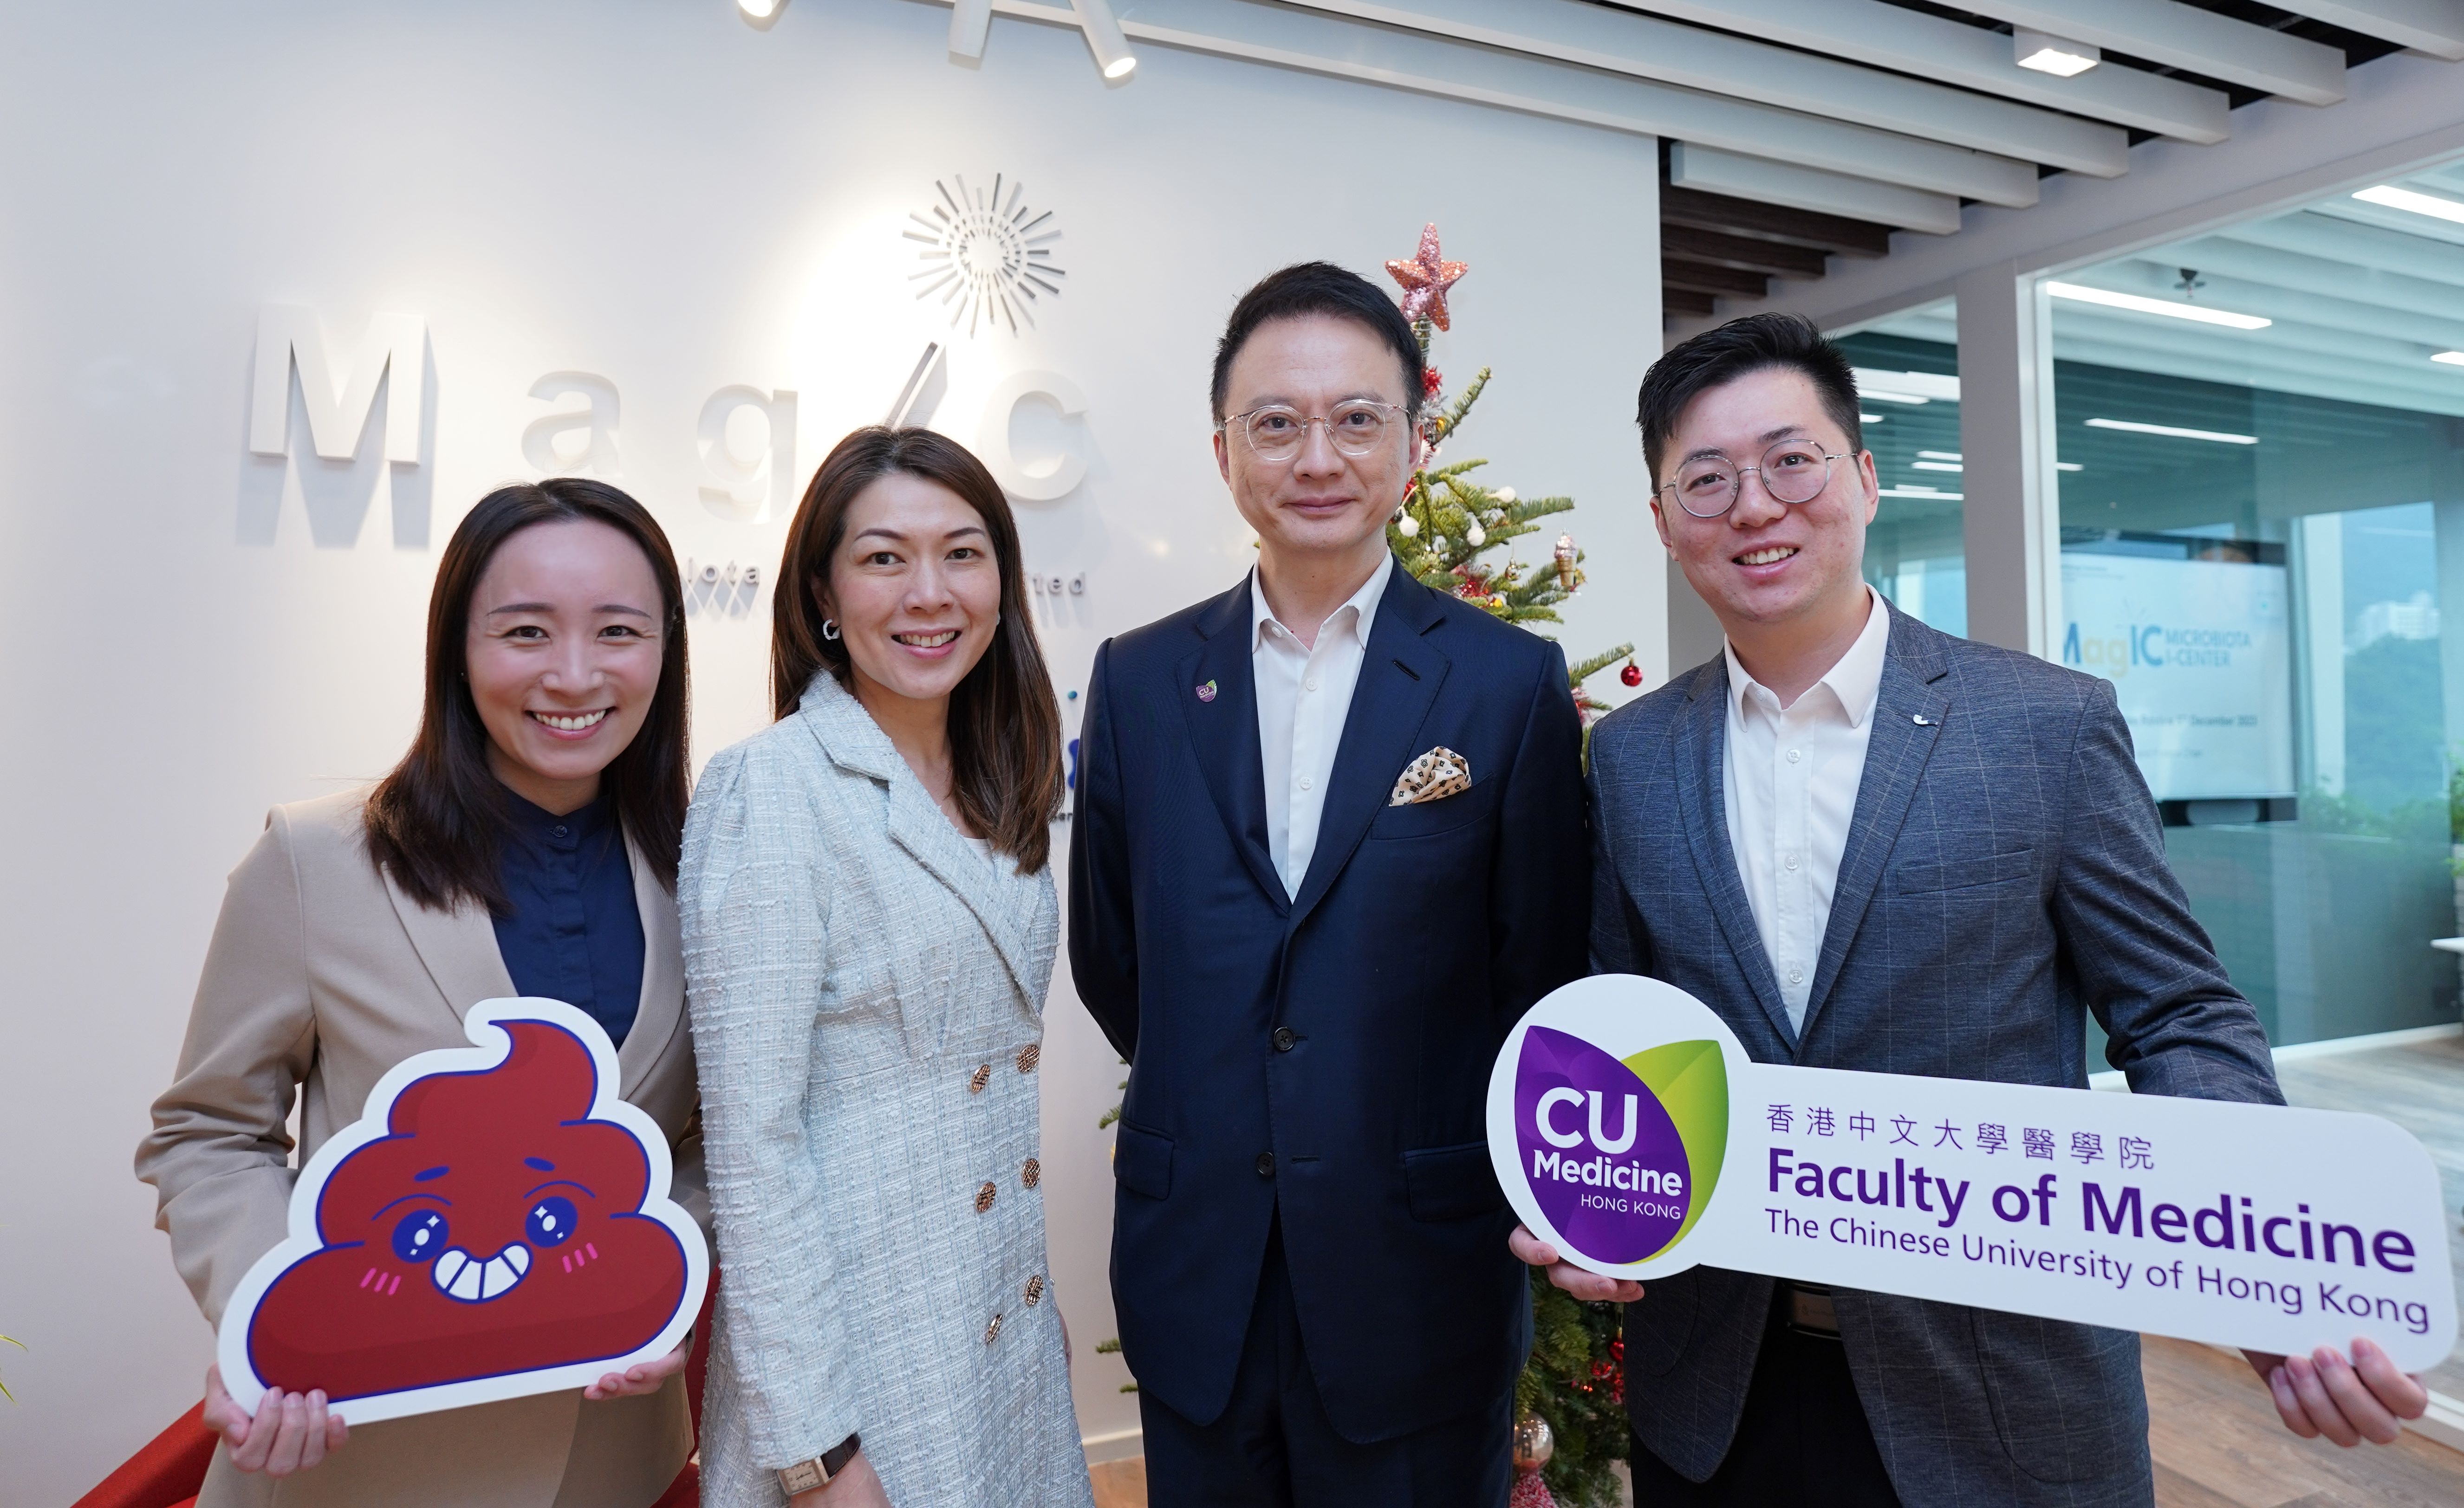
1922	721
1206	691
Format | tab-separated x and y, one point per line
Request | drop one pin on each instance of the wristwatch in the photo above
806	1475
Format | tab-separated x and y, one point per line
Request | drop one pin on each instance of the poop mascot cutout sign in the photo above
496	1223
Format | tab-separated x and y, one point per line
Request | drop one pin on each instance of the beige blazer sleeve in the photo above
220	1152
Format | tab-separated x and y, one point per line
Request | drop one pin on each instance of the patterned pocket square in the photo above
1439	773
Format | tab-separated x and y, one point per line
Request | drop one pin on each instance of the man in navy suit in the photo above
1329	847
1873	846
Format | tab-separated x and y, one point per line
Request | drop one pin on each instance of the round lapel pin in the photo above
1206	691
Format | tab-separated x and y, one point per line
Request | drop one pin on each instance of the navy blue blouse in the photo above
575	930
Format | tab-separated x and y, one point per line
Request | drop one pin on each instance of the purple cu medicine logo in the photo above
1621	1155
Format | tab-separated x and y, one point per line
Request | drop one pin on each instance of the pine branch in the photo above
1582	670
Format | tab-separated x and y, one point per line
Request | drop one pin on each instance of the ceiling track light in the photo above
2079	293
970	20
2056	55
761	13
2451	357
1104	39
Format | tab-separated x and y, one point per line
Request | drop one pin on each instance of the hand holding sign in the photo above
1634	1137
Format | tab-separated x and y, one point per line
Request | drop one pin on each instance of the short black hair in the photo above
1718	357
1319	287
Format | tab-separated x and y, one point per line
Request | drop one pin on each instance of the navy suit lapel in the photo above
1400	672
1896	753
1703	810
1217	691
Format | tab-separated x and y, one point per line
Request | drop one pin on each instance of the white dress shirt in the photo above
1791	776
1304	696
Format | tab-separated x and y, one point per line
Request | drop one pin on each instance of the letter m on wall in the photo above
337	414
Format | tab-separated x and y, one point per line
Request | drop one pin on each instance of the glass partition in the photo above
2261	440
1908	375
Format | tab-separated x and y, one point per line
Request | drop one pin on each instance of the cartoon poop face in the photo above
494	1229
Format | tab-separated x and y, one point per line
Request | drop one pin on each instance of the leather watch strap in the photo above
806	1475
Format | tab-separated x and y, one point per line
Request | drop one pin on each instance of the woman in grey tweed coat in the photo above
869	921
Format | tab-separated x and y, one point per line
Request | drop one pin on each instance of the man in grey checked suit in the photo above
1871	846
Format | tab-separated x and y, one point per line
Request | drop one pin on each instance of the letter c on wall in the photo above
1049	480
1550	1101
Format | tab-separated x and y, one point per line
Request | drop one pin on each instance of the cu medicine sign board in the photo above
2201	659
1631	1132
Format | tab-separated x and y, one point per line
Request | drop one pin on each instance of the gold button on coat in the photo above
1028	1057
982	1077
985	1198
1032	1174
992	1331
1034	1289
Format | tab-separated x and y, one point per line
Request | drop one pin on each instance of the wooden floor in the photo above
2218	1444
1121	1484
2421	1088
2216	1438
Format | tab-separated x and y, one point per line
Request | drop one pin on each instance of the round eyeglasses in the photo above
1793	471
1276	433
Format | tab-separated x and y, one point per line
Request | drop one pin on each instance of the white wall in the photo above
659	193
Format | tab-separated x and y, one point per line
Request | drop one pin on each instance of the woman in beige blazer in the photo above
363	927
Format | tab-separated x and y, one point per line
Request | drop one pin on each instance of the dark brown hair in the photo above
1753	343
1004	726
435	824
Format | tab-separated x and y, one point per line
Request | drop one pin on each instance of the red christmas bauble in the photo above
1632	674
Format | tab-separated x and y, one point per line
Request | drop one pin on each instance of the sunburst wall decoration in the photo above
985	255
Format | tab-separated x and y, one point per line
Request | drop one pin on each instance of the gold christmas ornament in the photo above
1533	1444
1565	562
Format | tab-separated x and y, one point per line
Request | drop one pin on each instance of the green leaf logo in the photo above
1692	1084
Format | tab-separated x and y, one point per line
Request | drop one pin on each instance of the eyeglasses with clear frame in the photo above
1355	427
1793	471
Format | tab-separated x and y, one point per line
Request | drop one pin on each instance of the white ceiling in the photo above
1866	91
2361	297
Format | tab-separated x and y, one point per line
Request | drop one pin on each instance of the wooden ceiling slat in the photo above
1743	217
1678	273
1721	249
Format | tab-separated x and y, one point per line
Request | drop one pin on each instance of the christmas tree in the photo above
1569	1402
1451	524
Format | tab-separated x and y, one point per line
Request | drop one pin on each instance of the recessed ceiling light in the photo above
1875	419
2080	294
2068	466
1942	455
2394	198
2451	357
2133	426
1934	466
2060	56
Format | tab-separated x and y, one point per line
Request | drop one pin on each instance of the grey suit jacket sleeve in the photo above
2143	964
1619	943
757	960
219	1156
